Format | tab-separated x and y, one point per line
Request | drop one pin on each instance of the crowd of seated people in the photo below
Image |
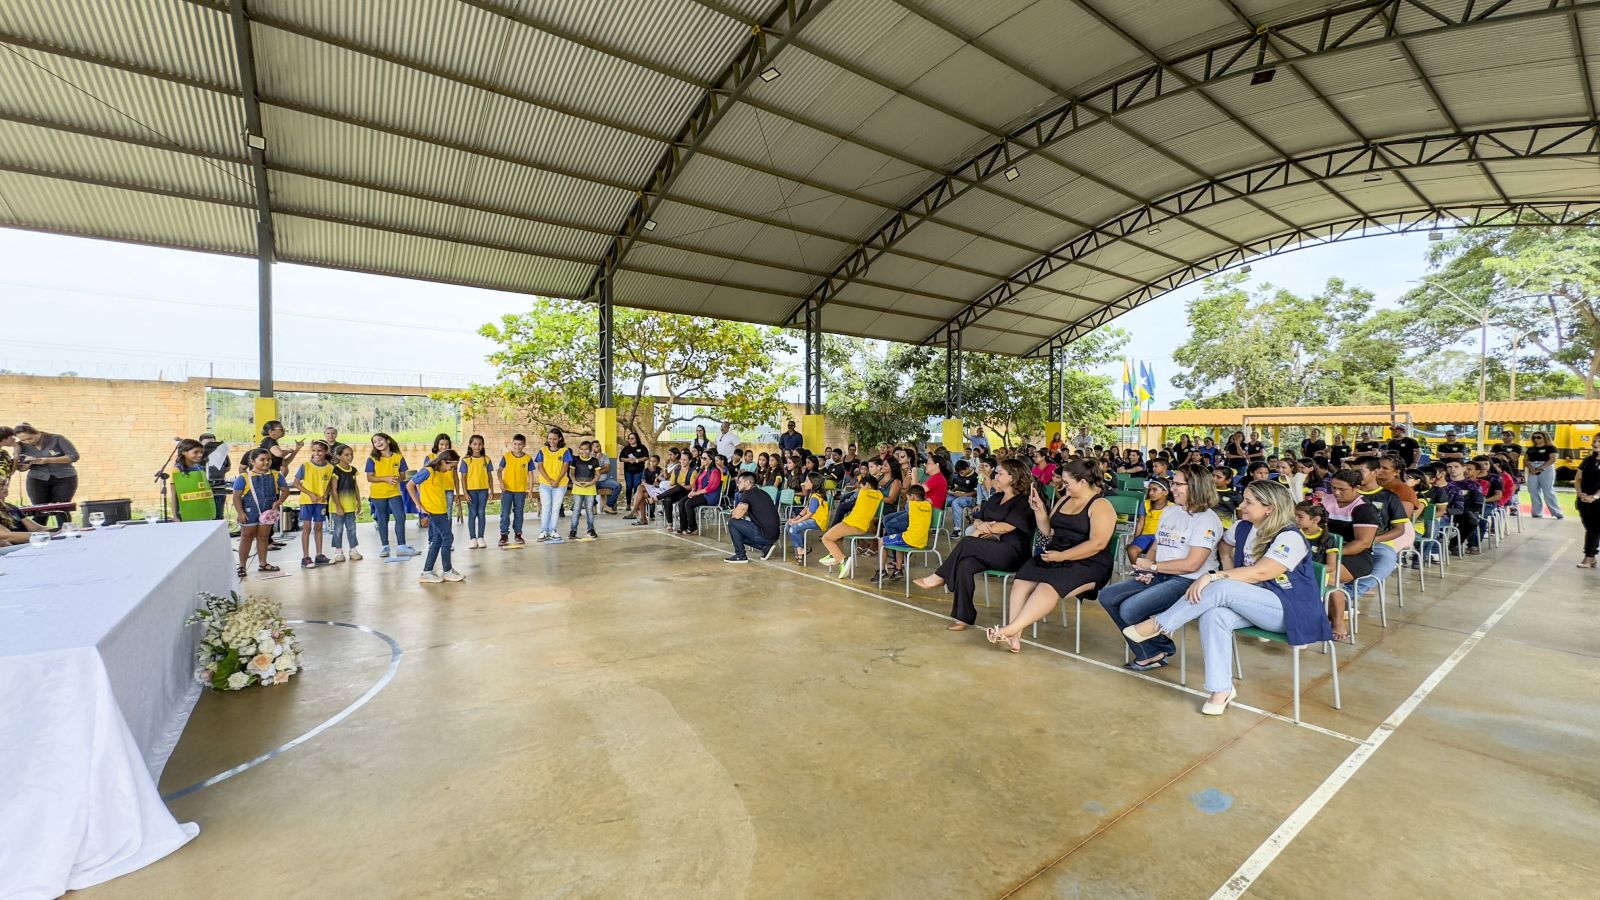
1225	536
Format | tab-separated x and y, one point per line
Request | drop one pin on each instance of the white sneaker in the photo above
405	550
430	577
453	575
354	555
338	556
384	553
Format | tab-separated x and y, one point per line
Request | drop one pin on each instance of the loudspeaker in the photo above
115	510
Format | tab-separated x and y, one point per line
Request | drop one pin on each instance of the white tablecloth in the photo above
96	683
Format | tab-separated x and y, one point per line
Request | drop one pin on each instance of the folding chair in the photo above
884	547
1282	638
850	542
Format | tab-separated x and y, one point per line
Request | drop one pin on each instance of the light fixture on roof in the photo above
1244	270
256	141
1435	235
1372	177
770	73
1013	173
1262	76
1153	229
649	224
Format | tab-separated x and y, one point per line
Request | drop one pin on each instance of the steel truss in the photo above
1555	141
1353	26
952	374
1565	213
780	26
256	149
813	359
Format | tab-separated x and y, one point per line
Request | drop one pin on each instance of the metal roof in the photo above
1020	170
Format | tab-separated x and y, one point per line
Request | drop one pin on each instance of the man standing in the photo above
331	435
1366	446
1084	441
1509	446
978	442
753	520
1405	446
727	441
1452	449
790	440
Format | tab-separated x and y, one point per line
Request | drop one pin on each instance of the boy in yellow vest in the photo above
919	521
315	480
858	520
514	468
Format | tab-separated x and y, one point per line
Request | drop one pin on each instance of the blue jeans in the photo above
550	507
960	508
895	523
382	511
1129	603
440	539
616	491
1384	561
477	512
580	506
512	505
1542	491
797	533
633	480
340	524
1224	606
744	531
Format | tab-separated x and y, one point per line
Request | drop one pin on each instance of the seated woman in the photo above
674	484
1270	584
855	519
1080	527
706	491
1001	538
1044	471
811	514
1312	520
1358	522
14	529
1186	542
647	489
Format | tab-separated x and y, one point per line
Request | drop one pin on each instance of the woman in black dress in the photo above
1077	557
1001	538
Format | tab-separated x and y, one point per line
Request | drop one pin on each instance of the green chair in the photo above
933	536
850	542
1281	638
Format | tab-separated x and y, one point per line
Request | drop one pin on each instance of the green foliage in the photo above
230	415
548	365
867	387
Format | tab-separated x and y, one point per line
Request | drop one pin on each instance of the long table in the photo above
96	684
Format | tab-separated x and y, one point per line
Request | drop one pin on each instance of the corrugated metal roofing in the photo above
1510	412
502	142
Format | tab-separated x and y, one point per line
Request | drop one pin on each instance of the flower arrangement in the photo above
245	642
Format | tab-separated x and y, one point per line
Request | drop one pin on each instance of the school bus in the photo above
1573	442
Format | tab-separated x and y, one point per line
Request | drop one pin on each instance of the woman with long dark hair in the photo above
1001	538
48	459
633	456
1587	482
1080	525
386	471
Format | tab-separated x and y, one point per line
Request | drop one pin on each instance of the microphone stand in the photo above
161	479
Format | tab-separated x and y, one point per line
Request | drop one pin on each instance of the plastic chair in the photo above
1282	638
931	550
850	542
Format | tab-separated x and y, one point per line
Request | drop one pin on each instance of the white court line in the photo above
1093	662
1275	843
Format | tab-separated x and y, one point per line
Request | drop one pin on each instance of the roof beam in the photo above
256	145
1564	140
1566	213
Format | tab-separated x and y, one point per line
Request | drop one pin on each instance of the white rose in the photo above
237	680
269	649
288	662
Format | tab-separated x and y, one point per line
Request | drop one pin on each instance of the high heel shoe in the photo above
1217	709
1587	563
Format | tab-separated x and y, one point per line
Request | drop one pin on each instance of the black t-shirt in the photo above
964	484
1337	454
1513	448
1368	448
1453	448
633	459
1543	454
1309	447
583	469
1388	506
1363	514
1256	449
267	444
1407	447
763	514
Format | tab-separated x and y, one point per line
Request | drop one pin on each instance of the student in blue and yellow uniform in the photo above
475	478
918	522
514	468
430	491
553	463
1157	492
386	469
442	443
258	495
813	515
315	481
344	502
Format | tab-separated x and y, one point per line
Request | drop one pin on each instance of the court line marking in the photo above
1291	827
1069	655
394	664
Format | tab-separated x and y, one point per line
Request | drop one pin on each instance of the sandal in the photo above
267	567
243	573
1341	627
993	634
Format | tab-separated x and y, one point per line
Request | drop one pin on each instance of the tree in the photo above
867	388
1542	282
548	365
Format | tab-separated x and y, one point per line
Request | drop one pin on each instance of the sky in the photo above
112	310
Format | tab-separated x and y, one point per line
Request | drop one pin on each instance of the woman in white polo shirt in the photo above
1185	545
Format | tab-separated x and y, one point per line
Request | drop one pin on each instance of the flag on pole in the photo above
1127	379
1147	391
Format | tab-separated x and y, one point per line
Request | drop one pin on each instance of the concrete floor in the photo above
633	718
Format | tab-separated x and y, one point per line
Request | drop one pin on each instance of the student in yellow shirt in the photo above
857	521
553	464
1157	493
813	515
430	491
315	481
514	469
475	478
585	492
344	502
386	469
919	521
441	443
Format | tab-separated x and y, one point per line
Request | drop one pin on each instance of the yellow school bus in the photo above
1573	442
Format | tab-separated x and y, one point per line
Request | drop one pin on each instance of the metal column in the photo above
813	358
256	145
1056	386
605	379
952	374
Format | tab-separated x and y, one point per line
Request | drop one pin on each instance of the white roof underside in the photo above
502	143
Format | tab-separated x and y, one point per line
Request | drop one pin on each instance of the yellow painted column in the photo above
1067	437
953	435
266	411
812	428
605	428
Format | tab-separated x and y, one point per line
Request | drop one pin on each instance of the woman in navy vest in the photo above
1270	583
